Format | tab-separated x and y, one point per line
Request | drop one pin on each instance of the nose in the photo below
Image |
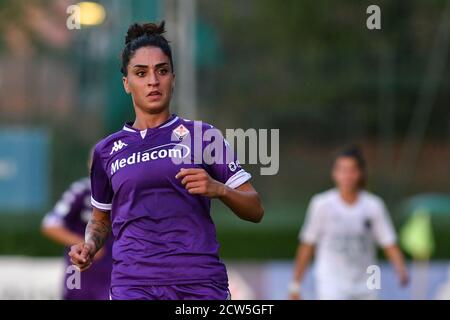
152	79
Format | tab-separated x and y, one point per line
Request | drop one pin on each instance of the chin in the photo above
347	187
155	108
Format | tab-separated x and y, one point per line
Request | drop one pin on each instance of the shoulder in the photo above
322	200
205	130
324	197
373	201
198	124
104	146
80	186
77	190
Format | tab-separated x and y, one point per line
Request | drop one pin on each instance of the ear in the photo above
126	85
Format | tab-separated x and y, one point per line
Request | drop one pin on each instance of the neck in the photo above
349	196
150	120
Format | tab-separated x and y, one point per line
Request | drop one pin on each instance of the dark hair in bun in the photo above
142	35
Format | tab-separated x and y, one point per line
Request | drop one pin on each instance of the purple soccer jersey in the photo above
73	211
162	234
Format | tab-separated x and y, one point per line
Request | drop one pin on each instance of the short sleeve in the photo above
383	228
102	192
64	209
311	229
222	163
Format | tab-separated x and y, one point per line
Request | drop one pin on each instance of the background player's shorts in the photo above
200	291
339	295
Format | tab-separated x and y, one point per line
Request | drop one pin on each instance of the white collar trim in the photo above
170	122
128	129
164	126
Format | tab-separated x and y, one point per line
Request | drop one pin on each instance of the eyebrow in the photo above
146	66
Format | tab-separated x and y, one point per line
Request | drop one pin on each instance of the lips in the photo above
154	93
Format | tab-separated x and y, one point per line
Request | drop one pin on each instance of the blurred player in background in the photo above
342	226
66	225
165	244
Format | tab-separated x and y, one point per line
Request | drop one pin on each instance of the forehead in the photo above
148	56
346	162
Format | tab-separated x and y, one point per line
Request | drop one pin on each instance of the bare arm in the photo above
395	256
304	254
97	231
61	235
244	201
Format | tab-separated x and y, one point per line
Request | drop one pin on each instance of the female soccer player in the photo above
342	225
154	191
65	225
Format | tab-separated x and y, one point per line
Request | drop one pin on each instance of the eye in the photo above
140	73
163	71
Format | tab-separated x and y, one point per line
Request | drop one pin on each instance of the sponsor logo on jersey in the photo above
169	150
118	145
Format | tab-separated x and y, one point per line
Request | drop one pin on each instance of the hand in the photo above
198	181
403	278
294	290
295	296
81	255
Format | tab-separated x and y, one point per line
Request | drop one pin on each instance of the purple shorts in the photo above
200	291
92	294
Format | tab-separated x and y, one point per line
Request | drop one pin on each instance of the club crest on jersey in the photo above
180	132
118	145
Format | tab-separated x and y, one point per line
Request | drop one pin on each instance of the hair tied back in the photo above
137	30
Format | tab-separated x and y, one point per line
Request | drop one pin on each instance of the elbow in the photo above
45	231
259	214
